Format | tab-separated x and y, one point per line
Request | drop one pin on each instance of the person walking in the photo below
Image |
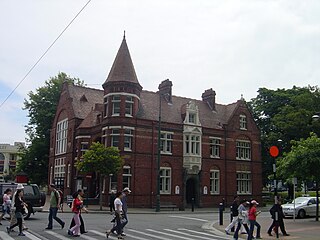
13	219
54	207
234	213
252	215
111	201
119	216
77	205
277	215
82	227
19	210
6	205
126	191
242	219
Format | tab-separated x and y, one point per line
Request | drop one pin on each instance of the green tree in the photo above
303	161
101	160
41	106
284	114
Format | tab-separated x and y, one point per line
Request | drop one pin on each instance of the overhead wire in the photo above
51	45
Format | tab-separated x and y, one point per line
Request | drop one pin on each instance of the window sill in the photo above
166	153
240	159
115	115
216	157
129	116
127	150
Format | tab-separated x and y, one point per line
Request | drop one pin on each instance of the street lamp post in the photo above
159	157
316	118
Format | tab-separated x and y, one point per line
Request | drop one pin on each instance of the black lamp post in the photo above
316	118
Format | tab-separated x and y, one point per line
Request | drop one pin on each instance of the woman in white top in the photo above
119	216
6	206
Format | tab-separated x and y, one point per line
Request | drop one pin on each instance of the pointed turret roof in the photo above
122	69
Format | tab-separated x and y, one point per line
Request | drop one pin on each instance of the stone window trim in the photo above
244	182
166	145
243	122
243	149
215	182
215	147
165	180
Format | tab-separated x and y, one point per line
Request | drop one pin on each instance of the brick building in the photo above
209	151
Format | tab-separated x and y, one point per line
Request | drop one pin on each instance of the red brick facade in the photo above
209	151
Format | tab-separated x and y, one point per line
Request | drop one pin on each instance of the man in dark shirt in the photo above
235	213
277	215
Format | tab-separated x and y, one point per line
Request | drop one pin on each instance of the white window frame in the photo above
215	144
192	144
166	142
129	106
192	117
113	182
116	105
126	177
115	135
214	182
69	175
243	122
165	180
84	147
61	136
128	137
243	150
244	182
59	167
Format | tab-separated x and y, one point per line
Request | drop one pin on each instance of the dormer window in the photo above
116	105
192	118
243	122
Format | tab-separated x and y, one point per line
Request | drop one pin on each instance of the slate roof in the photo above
84	100
122	69
82	108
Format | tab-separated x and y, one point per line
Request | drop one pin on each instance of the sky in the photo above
234	47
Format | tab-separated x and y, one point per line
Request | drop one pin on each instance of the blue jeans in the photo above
53	215
252	224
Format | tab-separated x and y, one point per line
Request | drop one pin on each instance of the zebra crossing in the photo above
147	234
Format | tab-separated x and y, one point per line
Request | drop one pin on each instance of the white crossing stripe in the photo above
189	218
149	235
88	237
139	238
168	234
31	236
5	236
188	234
202	233
57	235
102	234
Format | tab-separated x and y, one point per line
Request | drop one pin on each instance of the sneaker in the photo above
21	234
227	232
123	234
62	225
270	234
286	234
108	233
48	228
70	233
8	230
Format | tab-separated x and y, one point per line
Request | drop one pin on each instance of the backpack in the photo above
60	195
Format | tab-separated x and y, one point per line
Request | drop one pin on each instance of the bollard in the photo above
221	209
192	204
231	218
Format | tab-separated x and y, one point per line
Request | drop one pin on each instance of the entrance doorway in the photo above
191	191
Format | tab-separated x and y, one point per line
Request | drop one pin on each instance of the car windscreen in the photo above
300	200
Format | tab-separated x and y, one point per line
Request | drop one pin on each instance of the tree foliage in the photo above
284	114
41	106
101	160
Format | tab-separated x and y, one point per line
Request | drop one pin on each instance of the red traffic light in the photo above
274	151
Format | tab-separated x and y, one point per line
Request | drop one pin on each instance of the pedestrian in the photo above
82	227
13	219
126	191
242	218
55	200
252	216
6	205
111	201
77	205
19	211
277	215
234	213
119	216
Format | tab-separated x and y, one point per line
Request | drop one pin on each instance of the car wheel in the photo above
301	213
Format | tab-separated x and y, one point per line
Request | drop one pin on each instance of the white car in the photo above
301	206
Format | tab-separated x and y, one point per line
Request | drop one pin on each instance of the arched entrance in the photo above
192	190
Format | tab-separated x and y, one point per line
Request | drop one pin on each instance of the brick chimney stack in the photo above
165	89
209	96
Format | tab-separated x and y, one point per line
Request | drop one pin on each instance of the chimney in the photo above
165	89
209	96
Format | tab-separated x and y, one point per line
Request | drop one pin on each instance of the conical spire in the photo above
122	69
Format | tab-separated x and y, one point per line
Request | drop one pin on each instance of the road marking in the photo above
38	235
190	218
57	235
149	235
202	233
31	236
183	233
102	234
87	237
168	234
5	236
